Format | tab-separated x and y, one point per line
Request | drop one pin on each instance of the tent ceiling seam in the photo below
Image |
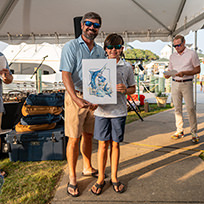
189	24
178	15
6	10
152	16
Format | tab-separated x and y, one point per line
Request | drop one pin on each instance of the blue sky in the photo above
156	46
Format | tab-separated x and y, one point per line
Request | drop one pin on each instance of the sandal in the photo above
117	184
94	174
98	186
74	187
195	138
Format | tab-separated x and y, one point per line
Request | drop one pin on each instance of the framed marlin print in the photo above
99	81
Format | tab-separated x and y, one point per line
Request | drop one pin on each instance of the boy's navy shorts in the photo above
109	128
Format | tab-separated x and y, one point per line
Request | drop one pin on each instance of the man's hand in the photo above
6	76
85	104
121	88
4	72
82	103
93	107
180	74
166	76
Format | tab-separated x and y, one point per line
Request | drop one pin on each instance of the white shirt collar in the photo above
120	62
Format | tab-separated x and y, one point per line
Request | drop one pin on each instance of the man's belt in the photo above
184	80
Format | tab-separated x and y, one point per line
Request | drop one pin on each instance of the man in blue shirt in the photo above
79	118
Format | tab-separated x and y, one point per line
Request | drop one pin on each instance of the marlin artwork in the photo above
99	85
99	81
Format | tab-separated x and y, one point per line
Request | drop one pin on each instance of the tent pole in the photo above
195	76
172	50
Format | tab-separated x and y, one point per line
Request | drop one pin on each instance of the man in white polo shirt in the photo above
202	75
187	64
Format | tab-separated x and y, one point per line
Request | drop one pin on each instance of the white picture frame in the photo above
99	81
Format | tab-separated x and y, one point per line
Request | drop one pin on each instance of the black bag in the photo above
53	99
40	119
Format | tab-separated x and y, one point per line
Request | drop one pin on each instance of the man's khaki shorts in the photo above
77	120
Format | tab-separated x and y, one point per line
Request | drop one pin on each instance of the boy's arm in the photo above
125	90
131	90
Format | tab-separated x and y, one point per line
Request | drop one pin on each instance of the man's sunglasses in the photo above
179	45
117	47
89	24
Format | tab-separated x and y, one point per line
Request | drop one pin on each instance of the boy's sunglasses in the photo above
117	47
179	45
89	24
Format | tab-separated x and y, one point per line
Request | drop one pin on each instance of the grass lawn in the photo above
35	182
132	116
30	182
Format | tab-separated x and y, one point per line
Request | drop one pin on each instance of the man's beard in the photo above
90	36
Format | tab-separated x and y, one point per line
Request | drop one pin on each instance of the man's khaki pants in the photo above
1	114
184	90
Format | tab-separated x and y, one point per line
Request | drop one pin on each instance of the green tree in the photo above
146	55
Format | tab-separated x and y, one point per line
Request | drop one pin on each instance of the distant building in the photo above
166	51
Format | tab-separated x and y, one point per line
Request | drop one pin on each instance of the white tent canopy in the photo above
36	21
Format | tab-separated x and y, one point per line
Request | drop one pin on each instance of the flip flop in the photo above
74	187
93	174
98	186
117	184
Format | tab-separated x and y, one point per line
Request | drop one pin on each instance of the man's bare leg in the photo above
86	150
72	156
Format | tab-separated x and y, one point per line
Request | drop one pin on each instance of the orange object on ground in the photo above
135	98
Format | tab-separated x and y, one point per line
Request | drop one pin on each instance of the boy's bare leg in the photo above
115	155
102	159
